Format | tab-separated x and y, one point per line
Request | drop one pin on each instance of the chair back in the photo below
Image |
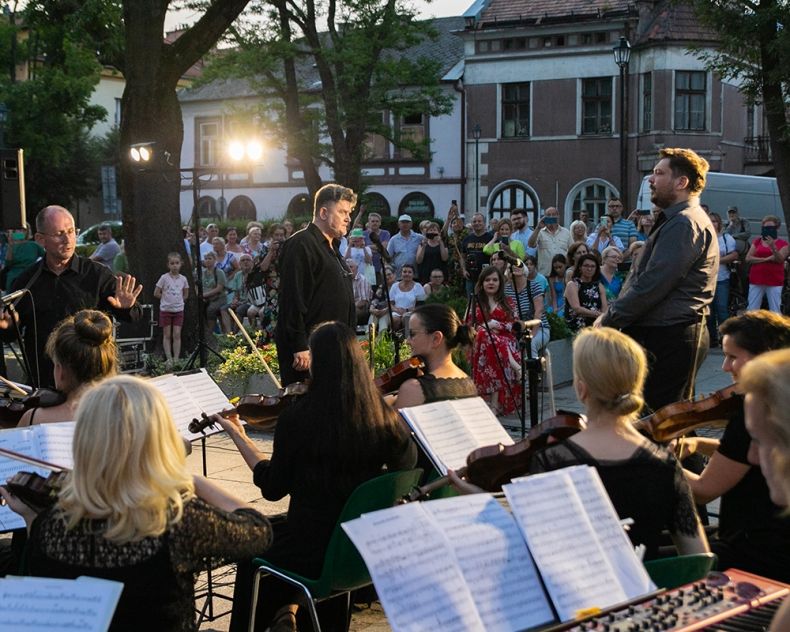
344	568
671	572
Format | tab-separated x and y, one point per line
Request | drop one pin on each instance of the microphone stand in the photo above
530	367
385	259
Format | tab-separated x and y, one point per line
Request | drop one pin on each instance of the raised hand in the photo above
126	292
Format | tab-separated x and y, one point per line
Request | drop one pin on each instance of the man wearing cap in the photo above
402	247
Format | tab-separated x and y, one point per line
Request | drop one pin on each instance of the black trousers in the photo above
674	353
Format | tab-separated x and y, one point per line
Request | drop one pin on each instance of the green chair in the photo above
671	572
343	570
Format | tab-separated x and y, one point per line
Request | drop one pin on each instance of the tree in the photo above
356	69
50	113
755	50
151	113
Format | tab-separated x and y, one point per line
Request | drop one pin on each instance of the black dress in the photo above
589	298
158	573
649	487
297	468
753	535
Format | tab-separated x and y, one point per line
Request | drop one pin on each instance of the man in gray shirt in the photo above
666	297
108	248
402	246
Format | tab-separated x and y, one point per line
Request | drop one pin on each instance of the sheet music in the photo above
450	430
205	391
55	442
611	535
563	543
183	406
494	560
37	604
48	442
417	578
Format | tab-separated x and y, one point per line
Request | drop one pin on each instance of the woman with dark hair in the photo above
83	352
434	331
585	295
404	296
495	365
337	436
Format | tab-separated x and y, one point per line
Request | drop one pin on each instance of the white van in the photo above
755	196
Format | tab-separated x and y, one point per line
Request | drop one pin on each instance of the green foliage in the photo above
559	328
451	296
356	69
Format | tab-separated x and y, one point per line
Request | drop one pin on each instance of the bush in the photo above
559	328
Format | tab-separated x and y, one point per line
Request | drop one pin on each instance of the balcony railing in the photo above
757	150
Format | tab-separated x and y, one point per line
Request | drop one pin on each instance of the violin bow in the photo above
255	348
14	386
29	460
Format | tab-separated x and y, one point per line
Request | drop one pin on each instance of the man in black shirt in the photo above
474	259
315	282
60	284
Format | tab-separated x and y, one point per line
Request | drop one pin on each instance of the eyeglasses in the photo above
69	232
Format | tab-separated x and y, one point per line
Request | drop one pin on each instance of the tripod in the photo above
202	348
530	368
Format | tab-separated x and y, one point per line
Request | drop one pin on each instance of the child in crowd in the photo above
172	290
557	284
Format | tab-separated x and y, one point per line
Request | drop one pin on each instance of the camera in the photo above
431	235
471	263
504	240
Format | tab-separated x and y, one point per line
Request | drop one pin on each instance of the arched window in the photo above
376	203
207	207
299	206
591	196
513	194
416	204
241	207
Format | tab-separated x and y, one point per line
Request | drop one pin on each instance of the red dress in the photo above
486	369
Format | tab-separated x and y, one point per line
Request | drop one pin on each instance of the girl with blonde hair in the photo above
131	512
643	480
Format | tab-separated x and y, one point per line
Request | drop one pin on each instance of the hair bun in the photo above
627	403
93	327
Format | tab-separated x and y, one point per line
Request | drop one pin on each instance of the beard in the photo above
661	199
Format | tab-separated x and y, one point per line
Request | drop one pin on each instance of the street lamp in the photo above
622	55
476	136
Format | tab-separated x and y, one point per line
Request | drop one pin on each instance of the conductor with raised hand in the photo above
61	283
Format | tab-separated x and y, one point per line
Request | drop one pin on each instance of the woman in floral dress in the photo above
495	365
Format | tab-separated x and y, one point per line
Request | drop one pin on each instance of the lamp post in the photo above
476	136
622	55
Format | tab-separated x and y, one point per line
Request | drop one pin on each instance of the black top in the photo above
84	284
315	286
431	260
756	536
437	389
473	245
157	572
649	487
298	467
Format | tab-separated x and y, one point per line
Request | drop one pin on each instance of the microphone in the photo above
520	326
375	239
13	297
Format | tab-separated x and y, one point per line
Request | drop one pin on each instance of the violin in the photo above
260	411
12	408
492	466
674	420
35	491
391	379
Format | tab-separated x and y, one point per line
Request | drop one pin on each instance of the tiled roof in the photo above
510	11
446	48
674	21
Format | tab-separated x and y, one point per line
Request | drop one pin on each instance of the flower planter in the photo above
561	361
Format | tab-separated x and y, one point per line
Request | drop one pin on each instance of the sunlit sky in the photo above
437	8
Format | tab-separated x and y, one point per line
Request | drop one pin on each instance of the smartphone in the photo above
504	240
643	211
549	220
769	231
